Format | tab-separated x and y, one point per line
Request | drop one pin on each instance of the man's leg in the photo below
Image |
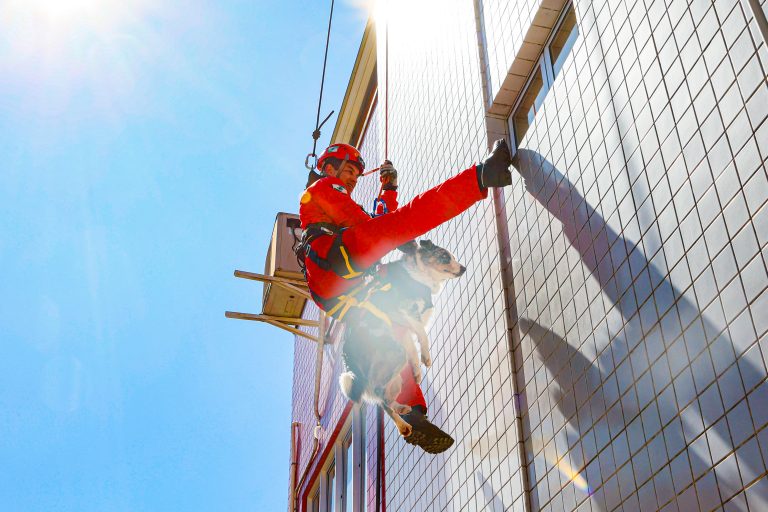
411	392
428	436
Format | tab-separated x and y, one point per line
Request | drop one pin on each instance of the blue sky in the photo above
146	147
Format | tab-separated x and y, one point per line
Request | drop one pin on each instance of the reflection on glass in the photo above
316	502
364	461
530	104
348	474
331	487
563	41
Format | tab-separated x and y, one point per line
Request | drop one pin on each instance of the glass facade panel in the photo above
563	41
363	461
349	472
530	104
331	488
315	503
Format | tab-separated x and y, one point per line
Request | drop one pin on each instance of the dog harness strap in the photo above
346	302
343	302
376	312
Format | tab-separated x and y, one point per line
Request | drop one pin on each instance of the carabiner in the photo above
376	203
306	161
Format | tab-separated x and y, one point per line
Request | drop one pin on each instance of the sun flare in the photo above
71	17
65	7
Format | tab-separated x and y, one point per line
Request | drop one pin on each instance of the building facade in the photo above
606	349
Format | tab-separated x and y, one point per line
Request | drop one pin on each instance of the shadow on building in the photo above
677	411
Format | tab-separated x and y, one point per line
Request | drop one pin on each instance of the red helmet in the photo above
343	152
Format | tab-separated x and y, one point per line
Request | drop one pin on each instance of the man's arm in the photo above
331	196
389	198
388	194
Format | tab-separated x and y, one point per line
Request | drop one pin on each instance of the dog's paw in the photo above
417	376
405	429
401	408
426	359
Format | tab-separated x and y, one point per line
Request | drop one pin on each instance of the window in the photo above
555	53
363	459
314	505
341	483
349	473
330	490
563	41
532	99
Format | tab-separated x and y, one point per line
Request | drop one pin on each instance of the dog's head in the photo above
431	261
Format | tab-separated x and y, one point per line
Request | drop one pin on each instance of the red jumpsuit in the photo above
365	240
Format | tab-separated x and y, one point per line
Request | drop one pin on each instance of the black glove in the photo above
388	175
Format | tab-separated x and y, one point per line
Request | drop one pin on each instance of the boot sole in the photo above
429	438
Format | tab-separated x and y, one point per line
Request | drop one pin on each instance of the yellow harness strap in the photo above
352	272
349	301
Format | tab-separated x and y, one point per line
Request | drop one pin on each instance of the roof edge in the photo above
360	90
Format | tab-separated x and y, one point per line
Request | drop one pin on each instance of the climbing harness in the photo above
337	259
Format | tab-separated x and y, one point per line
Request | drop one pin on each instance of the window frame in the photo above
545	64
314	501
347	465
330	492
352	435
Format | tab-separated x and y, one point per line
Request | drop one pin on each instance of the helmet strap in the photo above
339	168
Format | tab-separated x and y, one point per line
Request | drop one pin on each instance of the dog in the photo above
378	336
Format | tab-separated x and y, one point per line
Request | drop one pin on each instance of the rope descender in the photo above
315	136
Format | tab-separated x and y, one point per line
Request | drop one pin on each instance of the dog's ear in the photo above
427	244
409	247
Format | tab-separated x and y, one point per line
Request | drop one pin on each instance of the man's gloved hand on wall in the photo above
388	175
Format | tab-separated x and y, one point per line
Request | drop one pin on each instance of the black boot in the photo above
425	434
494	170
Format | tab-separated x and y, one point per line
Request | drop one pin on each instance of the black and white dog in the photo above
378	337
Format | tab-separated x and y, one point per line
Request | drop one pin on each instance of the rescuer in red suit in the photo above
342	241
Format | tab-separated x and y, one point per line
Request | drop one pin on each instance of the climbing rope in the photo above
318	124
379	201
386	85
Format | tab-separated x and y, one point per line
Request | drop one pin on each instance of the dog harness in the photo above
388	278
345	302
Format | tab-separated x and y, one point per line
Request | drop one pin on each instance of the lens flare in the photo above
573	476
61	8
553	459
